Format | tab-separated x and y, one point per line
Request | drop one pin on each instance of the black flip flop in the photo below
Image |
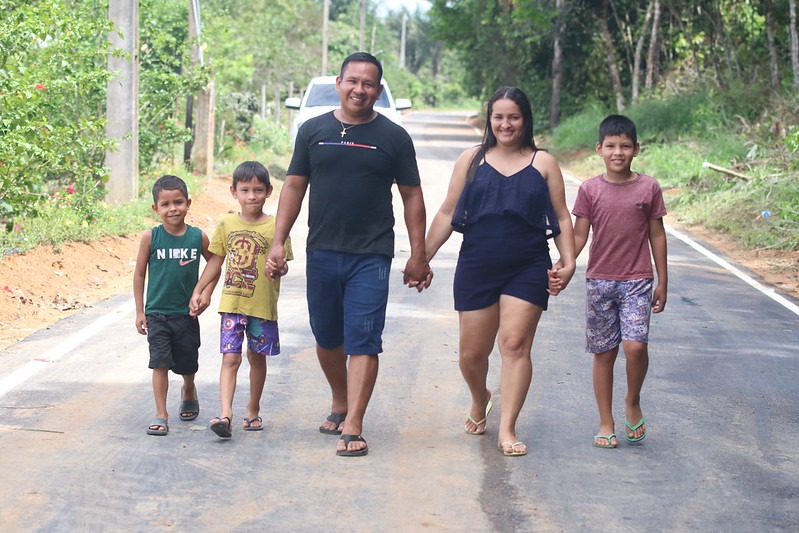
188	406
346	452
248	424
337	419
222	428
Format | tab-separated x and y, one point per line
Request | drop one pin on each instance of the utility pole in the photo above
202	150
122	103
325	16
363	25
402	40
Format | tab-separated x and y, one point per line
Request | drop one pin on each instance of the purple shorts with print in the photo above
262	335
616	311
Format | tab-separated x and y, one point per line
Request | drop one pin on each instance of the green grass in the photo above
578	132
54	226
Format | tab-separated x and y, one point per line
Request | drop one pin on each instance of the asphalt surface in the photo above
721	402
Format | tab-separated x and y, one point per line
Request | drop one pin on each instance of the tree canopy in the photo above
568	55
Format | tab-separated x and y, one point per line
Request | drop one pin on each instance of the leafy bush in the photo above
167	77
792	139
267	136
52	90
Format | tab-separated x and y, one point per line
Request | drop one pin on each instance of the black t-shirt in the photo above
350	179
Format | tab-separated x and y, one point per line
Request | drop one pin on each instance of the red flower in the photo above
71	189
41	87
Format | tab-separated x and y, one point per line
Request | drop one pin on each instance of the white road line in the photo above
771	293
768	291
22	374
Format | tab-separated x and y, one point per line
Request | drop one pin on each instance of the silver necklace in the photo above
345	128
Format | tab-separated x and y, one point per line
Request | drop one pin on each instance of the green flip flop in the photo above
607	438
632	429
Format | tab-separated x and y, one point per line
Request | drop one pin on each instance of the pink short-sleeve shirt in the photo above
619	214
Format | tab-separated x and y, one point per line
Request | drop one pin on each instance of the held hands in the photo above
558	277
199	302
275	271
417	274
276	265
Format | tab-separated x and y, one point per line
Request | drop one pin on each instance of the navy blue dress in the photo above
505	221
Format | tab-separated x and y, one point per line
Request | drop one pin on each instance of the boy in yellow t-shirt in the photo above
249	296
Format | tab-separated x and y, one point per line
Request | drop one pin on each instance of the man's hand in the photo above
417	274
276	264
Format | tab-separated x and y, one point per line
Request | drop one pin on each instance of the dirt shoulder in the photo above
42	286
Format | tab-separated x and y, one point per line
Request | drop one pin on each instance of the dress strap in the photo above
533	159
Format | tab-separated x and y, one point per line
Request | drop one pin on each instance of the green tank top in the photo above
173	270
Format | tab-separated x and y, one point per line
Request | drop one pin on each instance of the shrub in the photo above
52	90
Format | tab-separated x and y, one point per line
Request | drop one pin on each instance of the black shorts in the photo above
501	255
174	342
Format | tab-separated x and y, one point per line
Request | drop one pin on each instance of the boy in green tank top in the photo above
169	256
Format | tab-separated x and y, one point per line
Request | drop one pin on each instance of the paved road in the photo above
721	401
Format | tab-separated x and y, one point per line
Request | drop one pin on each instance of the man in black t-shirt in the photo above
351	157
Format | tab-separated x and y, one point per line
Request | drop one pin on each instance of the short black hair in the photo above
250	170
617	125
362	57
167	182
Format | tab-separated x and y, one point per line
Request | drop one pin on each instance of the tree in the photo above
557	65
652	63
167	77
794	44
774	67
606	42
639	46
498	42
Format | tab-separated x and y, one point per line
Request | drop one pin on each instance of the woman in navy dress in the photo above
507	198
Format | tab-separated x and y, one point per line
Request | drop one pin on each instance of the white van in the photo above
321	97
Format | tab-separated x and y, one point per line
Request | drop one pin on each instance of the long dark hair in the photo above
489	139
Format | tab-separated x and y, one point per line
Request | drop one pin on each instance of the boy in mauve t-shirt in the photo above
624	211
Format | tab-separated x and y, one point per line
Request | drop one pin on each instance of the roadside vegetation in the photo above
681	135
697	100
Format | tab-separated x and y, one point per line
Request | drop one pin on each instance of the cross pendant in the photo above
343	132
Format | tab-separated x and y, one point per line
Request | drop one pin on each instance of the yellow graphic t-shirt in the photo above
247	290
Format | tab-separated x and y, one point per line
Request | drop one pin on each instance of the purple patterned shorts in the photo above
616	311
262	335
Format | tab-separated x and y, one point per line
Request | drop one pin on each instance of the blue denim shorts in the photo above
616	311
347	296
